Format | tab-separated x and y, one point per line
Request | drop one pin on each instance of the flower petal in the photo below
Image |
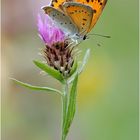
48	31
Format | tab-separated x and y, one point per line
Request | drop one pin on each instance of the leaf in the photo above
71	106
51	71
85	59
35	87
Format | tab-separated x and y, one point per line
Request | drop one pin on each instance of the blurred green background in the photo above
107	102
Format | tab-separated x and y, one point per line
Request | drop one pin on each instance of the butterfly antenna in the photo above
106	36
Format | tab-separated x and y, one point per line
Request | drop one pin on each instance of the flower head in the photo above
58	51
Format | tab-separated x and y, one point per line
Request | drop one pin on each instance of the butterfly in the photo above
77	17
75	28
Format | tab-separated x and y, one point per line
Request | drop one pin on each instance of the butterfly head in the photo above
84	37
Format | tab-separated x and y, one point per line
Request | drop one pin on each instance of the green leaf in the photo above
85	59
35	87
51	71
71	106
74	68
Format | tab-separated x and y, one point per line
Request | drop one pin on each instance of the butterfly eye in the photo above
85	37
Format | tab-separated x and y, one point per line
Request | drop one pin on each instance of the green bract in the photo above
51	71
74	68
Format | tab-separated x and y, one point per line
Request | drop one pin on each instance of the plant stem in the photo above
64	109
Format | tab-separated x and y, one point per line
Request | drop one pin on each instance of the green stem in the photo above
64	107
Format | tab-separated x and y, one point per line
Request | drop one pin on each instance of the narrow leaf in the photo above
72	105
85	59
51	71
35	87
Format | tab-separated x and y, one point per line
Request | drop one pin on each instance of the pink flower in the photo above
49	32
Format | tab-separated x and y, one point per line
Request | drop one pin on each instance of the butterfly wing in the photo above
97	6
80	14
63	22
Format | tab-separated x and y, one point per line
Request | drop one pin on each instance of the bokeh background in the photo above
107	102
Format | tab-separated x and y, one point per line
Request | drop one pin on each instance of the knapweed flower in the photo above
58	50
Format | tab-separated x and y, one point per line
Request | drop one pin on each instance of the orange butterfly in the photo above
77	17
96	5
